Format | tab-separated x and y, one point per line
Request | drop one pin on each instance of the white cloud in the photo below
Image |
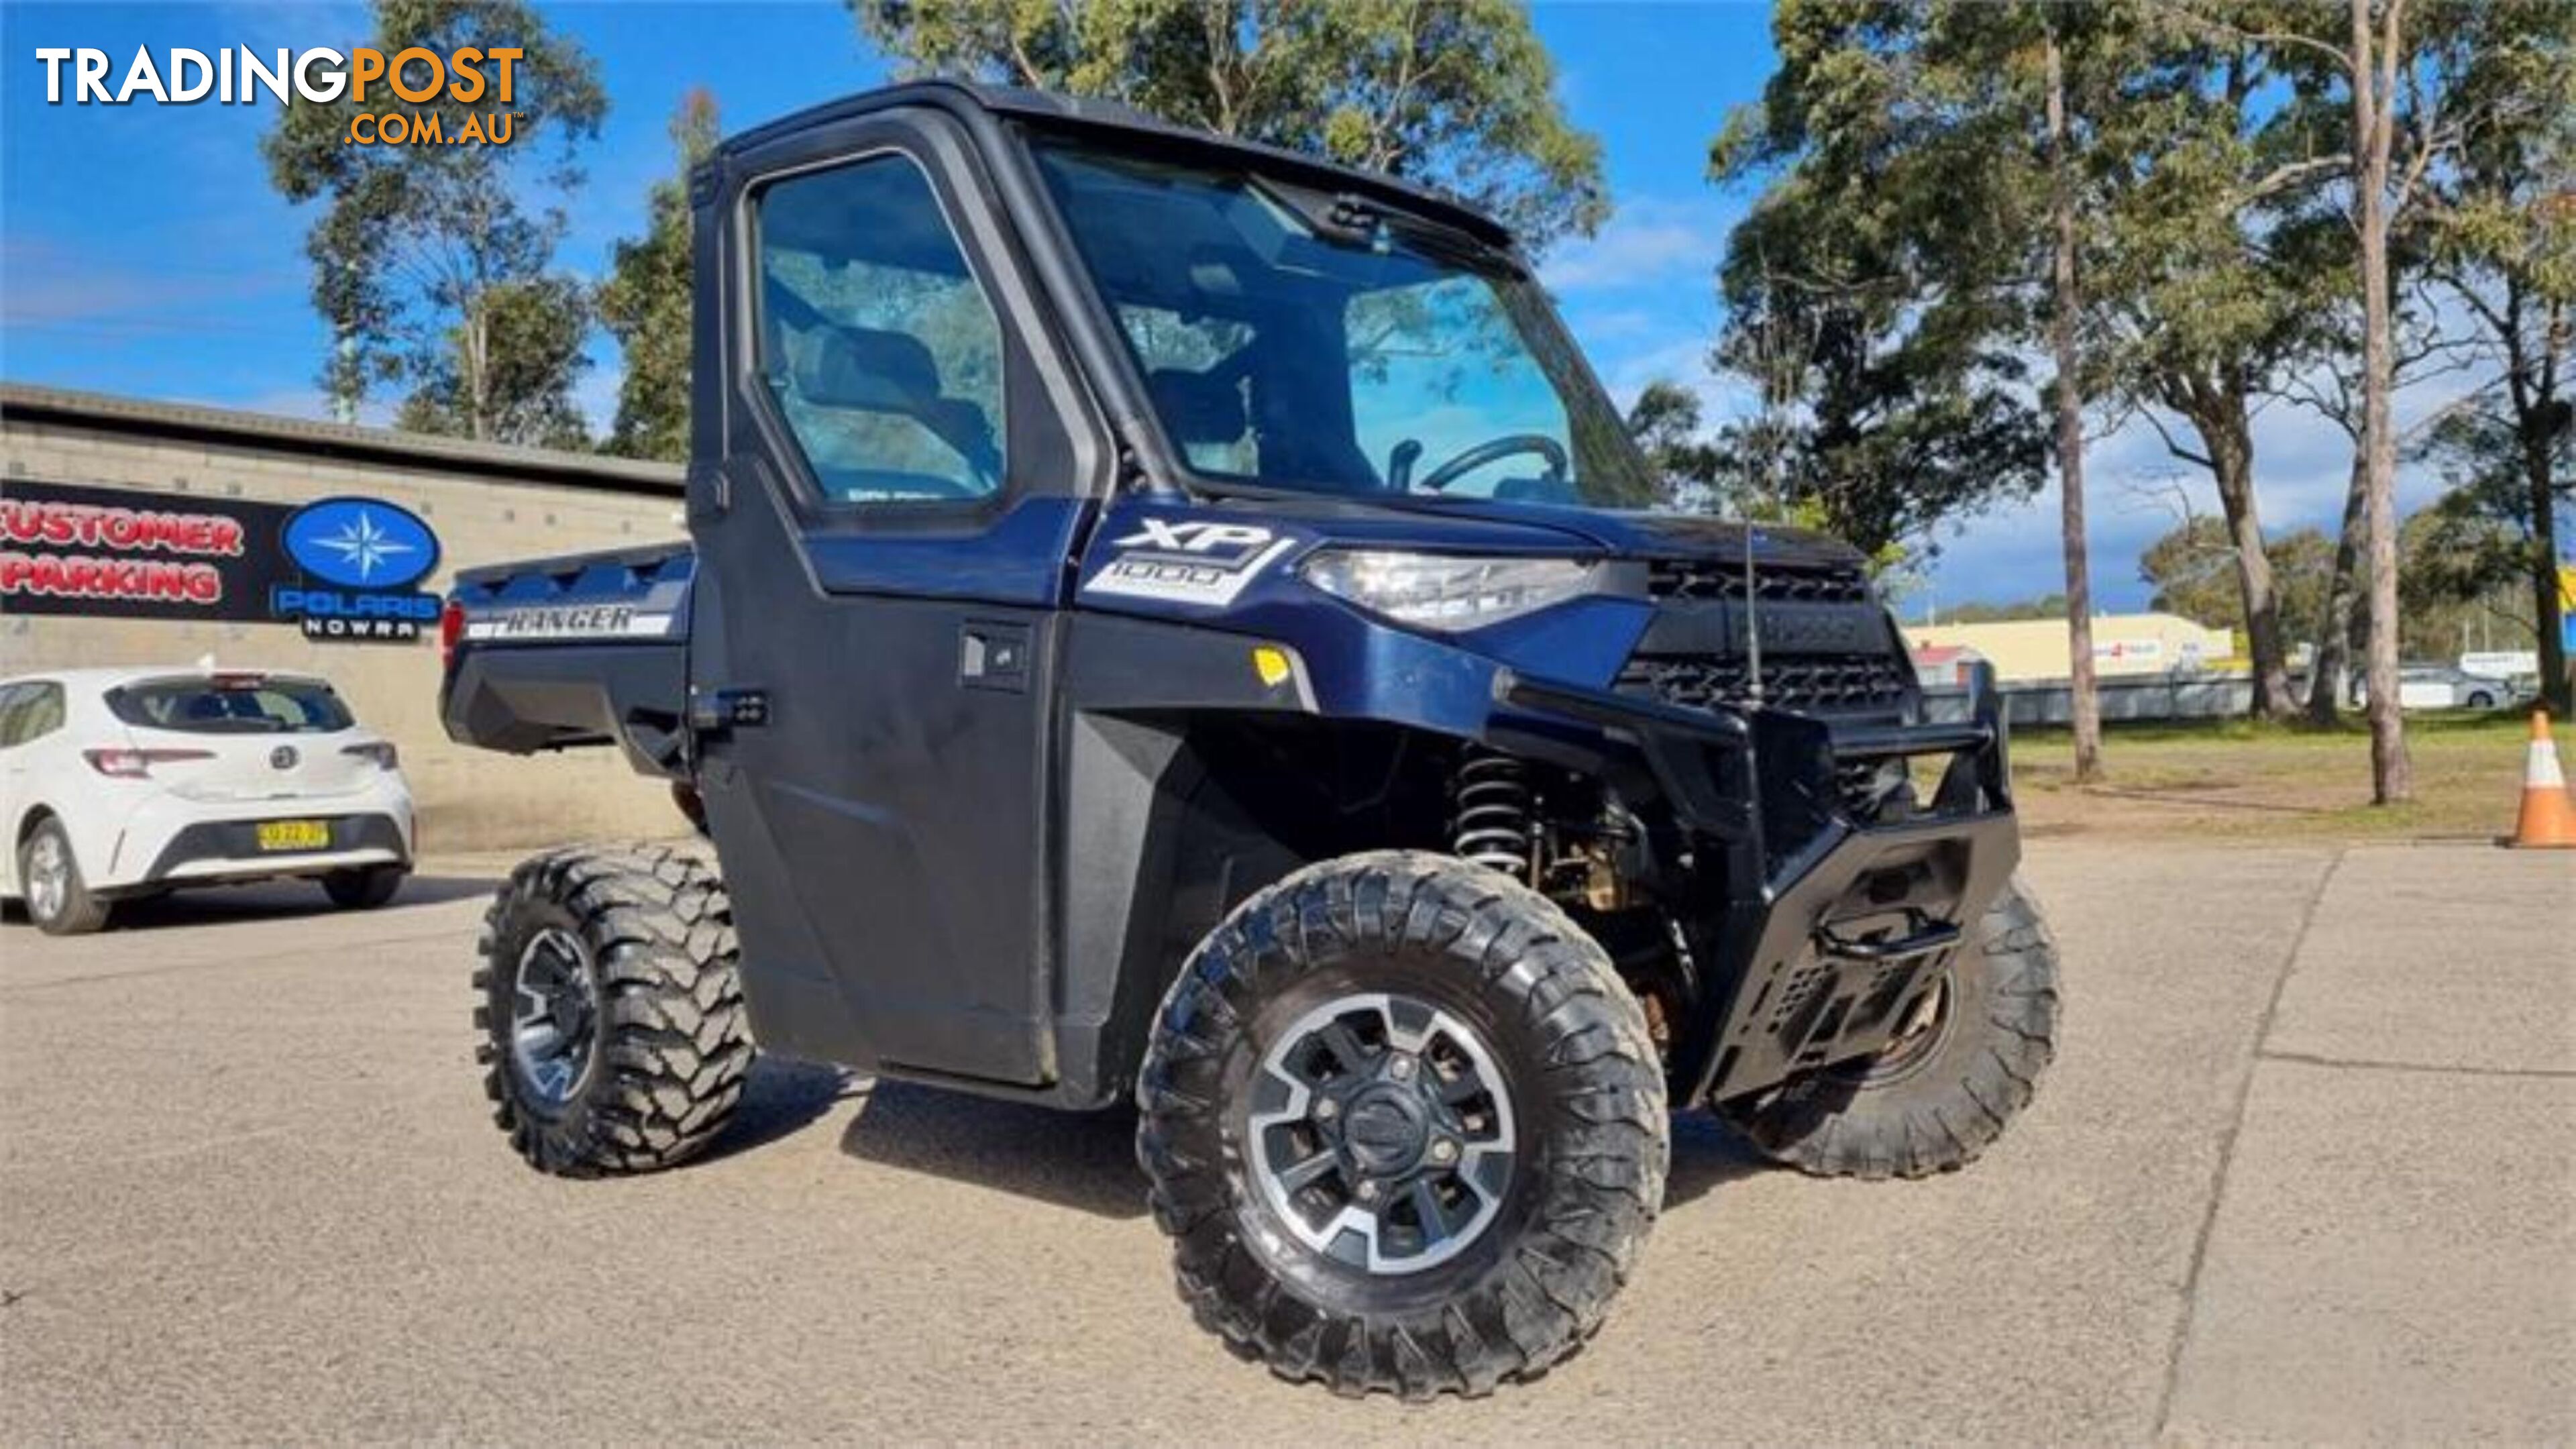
1649	240
2135	489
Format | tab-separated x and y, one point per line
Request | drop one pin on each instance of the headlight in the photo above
1436	591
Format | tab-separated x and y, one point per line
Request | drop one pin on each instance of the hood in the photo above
1414	521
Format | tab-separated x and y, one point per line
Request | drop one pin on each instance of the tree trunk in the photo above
2230	436
2332	675
2086	706
2392	776
2555	687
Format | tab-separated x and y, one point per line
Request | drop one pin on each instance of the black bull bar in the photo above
1815	937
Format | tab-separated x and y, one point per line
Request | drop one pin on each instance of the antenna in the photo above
1772	349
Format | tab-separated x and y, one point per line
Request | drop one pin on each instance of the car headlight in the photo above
1437	591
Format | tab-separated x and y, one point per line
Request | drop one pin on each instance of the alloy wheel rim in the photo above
554	1016
1381	1133
48	877
1915	1043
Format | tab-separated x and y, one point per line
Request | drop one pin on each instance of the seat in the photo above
869	370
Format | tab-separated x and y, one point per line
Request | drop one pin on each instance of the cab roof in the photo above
1125	128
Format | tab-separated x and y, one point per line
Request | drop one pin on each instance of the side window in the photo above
876	339
30	712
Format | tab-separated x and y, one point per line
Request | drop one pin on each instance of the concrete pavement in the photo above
2305	1168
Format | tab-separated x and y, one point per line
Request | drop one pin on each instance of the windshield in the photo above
1298	341
223	706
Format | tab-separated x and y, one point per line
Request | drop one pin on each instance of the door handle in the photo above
993	655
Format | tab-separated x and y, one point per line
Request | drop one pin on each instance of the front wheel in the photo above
1963	1067
614	1037
1405	1126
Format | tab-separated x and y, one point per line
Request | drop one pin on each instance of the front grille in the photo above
1690	579
1811	683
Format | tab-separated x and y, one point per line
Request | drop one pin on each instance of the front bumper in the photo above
1813	936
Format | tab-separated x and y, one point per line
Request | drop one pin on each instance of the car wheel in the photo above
614	1034
2481	700
1405	1127
363	888
58	901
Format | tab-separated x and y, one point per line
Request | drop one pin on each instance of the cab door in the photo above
893	466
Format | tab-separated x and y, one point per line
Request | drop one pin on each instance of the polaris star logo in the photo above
1188	561
360	562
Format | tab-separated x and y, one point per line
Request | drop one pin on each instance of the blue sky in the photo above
142	251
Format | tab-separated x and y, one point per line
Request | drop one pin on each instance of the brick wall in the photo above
469	799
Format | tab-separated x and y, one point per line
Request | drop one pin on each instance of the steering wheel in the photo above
1502	447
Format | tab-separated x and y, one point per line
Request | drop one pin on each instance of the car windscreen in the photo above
1322	345
217	706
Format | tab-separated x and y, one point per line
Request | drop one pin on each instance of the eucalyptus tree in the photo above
435	276
645	301
1456	93
1881	279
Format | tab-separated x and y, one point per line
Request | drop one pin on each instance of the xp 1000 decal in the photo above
1188	561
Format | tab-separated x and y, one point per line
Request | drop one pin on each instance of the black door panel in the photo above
883	828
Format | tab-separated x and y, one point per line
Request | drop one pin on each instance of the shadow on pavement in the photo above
780	1099
1706	1156
1080	1160
275	900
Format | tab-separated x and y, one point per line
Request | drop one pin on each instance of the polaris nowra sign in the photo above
360	558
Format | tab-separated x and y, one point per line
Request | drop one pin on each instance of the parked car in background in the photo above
119	783
2439	686
2501	663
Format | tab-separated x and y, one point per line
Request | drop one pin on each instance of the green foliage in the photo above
2462	578
1455	93
645	302
2047	606
532	331
432	273
2484	538
2194	571
1880	288
1665	423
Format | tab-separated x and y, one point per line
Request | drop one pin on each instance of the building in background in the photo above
200	498
2031	650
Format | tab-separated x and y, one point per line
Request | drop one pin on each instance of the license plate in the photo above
294	834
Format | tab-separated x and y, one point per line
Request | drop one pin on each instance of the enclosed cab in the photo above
1170	619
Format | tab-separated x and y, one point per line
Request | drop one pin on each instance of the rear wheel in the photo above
1965	1065
58	901
614	1038
364	888
1404	1124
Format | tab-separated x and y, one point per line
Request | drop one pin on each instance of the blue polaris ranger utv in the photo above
1171	620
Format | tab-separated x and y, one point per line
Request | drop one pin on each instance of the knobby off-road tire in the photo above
634	947
1480	983
1931	1103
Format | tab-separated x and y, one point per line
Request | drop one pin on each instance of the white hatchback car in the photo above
116	783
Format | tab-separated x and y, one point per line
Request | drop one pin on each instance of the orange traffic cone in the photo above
2548	821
